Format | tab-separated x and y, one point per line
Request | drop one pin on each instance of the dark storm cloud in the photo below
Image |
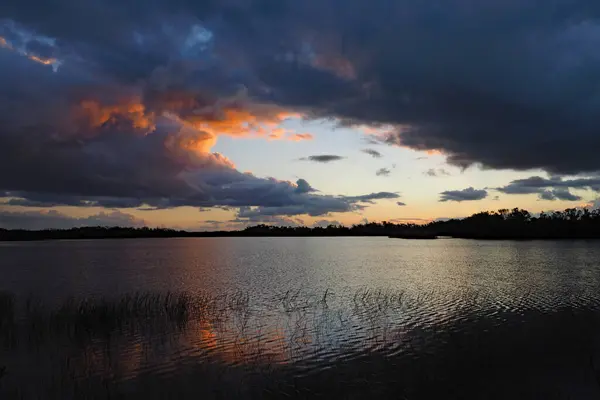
469	194
117	164
507	84
325	158
372	153
35	220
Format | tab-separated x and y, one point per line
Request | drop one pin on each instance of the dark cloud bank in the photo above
554	188
117	117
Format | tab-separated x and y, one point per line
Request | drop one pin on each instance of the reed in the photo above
191	345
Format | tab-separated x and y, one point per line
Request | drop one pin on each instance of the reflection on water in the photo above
267	266
343	317
190	344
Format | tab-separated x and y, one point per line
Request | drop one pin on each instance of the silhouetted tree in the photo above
502	224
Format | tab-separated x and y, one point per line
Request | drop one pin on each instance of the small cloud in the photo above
436	172
469	194
409	220
372	153
401	204
496	198
383	172
324	223
298	137
324	158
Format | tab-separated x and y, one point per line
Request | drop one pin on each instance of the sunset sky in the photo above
229	113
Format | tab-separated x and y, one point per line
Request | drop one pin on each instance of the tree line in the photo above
502	224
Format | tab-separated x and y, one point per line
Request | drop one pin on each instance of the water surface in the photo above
306	303
546	272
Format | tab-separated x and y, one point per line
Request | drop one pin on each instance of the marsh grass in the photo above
183	345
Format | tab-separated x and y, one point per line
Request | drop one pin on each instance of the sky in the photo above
221	114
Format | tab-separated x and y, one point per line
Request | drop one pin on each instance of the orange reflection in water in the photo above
231	345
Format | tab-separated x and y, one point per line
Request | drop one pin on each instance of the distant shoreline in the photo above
516	224
39	236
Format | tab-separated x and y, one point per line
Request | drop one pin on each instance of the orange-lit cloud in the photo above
234	116
298	137
40	60
416	221
244	122
374	130
97	115
224	117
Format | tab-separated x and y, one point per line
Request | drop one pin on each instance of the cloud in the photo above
294	222
372	153
128	112
369	198
302	186
594	204
418	221
314	205
553	188
37	220
383	172
436	172
469	194
273	220
132	154
401	204
325	158
324	223
298	137
559	194
535	183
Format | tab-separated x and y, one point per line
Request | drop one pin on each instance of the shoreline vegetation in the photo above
134	346
516	224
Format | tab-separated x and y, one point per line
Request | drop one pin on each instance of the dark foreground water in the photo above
300	317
